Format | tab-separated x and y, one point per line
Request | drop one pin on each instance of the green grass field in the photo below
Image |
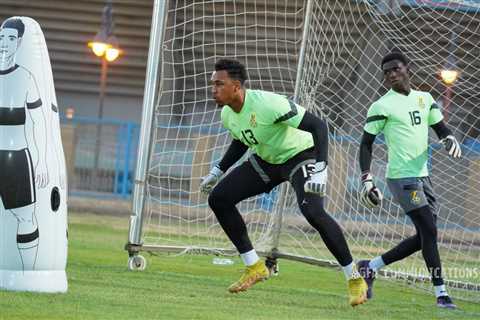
191	287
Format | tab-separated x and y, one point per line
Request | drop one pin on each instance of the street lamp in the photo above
105	46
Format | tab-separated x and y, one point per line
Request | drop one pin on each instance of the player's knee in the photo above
212	199
305	207
23	216
418	242
218	199
424	222
313	209
431	231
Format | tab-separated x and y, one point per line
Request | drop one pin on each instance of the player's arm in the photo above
370	196
234	152
319	130
317	183
365	152
34	106
446	136
296	116
289	113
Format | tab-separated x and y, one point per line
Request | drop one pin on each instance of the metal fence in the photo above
100	155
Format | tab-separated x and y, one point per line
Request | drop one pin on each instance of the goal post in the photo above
326	55
145	145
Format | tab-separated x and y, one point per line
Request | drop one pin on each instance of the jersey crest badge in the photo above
421	103
414	197
253	120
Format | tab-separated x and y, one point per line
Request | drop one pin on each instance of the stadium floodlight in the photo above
326	55
449	76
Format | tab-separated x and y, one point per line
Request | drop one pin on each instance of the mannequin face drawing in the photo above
9	43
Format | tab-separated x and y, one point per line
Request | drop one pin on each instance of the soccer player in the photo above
404	116
19	97
288	144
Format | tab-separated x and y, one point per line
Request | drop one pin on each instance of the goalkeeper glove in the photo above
370	195
317	182
210	180
452	146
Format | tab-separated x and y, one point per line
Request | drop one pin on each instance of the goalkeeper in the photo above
404	116
288	144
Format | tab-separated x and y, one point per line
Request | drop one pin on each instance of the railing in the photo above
100	156
111	173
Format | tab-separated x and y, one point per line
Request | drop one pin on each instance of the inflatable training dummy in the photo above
33	207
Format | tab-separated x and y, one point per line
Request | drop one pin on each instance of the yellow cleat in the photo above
252	274
357	291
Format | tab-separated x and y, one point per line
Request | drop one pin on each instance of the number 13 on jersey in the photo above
248	137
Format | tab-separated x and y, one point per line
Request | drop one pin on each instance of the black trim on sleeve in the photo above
434	106
319	130
35	104
234	152
376	118
54	108
292	113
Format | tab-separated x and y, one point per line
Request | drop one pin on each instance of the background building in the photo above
68	26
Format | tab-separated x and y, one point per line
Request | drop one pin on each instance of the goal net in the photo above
326	55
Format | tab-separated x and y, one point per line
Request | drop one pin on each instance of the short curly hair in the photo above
395	55
235	69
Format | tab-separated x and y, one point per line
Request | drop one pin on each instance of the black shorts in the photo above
274	174
256	176
17	179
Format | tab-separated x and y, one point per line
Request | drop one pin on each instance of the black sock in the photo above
327	227
425	223
241	183
231	221
402	250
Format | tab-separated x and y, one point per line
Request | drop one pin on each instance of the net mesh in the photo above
339	78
